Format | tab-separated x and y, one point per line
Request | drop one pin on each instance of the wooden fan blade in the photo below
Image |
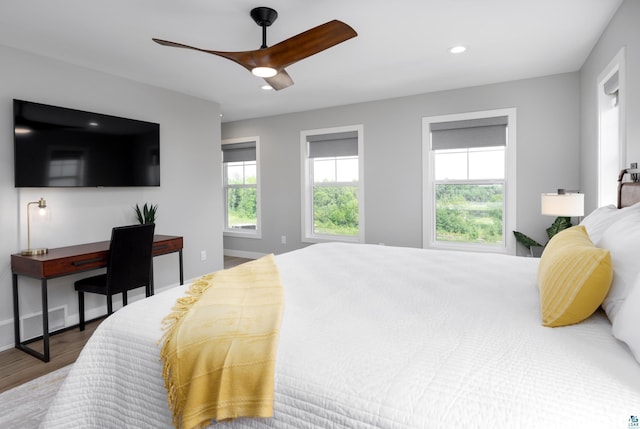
285	53
245	58
176	45
280	81
303	45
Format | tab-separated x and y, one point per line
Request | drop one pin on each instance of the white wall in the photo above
622	31
188	198
547	157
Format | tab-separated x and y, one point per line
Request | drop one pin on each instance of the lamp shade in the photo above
42	205
569	204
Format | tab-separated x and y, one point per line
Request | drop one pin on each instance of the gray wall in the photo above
622	31
188	198
547	157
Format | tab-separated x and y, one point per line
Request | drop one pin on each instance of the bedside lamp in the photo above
564	205
42	205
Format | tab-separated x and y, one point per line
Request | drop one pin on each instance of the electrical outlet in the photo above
203	255
283	239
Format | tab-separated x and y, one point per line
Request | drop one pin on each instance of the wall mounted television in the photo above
60	147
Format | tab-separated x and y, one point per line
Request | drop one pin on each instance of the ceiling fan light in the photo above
457	49
264	71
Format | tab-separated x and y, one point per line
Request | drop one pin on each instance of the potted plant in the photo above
147	214
561	223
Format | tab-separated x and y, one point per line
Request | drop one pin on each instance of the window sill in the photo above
330	238
253	235
469	248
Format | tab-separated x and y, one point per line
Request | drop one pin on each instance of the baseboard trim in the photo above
243	254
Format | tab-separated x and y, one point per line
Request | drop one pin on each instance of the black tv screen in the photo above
60	147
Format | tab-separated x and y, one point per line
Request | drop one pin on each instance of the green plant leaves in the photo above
525	240
561	223
558	225
147	214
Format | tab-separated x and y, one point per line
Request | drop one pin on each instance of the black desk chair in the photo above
129	267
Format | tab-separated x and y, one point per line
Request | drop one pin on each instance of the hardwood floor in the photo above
232	261
17	367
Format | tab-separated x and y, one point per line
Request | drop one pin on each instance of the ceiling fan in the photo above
269	62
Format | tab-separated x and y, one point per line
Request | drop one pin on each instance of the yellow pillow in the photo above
574	276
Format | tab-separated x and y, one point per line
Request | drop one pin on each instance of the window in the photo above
611	129
332	161
240	168
469	189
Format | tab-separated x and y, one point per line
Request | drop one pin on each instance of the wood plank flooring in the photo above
17	367
232	261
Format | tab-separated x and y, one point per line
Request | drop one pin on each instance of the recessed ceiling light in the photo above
457	49
93	123
266	87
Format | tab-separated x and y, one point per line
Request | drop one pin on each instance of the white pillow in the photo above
602	218
627	321
599	220
622	239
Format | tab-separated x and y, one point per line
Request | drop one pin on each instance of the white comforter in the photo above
381	337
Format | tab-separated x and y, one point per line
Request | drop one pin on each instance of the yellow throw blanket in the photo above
219	347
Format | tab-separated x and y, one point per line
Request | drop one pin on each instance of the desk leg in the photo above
181	267
16	311
22	345
45	320
151	285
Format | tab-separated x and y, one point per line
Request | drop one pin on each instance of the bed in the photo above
387	337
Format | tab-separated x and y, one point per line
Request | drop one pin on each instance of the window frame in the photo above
228	232
605	177
308	236
509	181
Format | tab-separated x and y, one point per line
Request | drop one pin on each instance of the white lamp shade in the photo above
568	205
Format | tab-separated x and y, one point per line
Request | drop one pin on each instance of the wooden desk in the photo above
64	261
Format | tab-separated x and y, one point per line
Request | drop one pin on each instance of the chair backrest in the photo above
130	254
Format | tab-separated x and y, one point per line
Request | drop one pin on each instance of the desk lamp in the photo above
42	205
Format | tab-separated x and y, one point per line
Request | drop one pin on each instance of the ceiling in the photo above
401	48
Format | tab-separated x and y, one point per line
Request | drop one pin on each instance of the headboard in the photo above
628	192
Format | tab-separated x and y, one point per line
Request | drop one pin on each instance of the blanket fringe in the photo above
170	323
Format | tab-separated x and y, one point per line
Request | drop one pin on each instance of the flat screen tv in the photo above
61	147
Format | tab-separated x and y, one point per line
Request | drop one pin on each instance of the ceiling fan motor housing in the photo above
264	16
